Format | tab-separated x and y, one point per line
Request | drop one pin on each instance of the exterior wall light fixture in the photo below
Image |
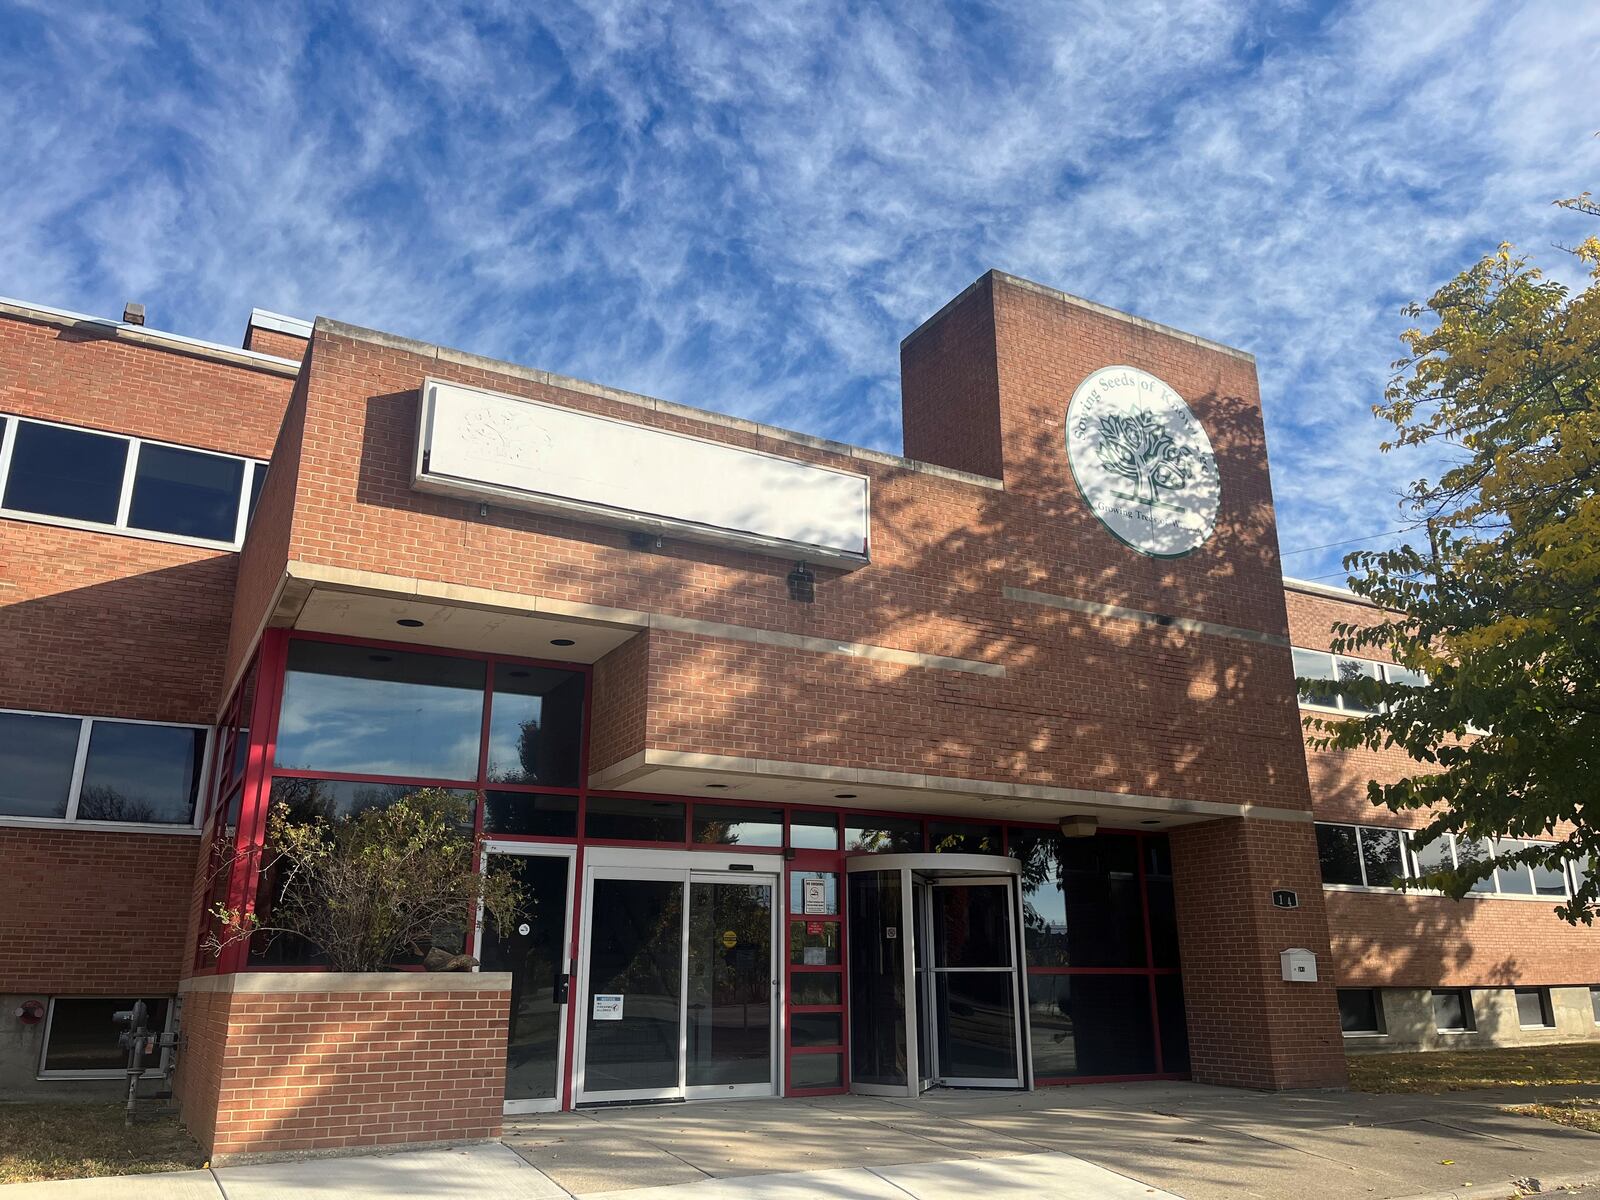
1078	827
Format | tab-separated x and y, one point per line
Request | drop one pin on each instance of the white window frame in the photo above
125	498
80	761
1410	869
164	1054
1383	674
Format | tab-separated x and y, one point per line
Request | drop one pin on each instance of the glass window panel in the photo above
975	1024
527	815
1159	900
1090	1025
636	952
730	983
66	473
1435	856
141	773
882	835
971	926
1452	1011
1359	1011
1471	851
1516	879
1173	1024
814	830
1594	1003
1404	675
816	1029
360	710
1315	670
83	1037
1351	672
813	988
257	478
1339	854
1380	852
1533	1008
1081	905
878	1030
1548	881
954	837
797	892
731	825
186	492
536	726
816	1071
634	820
37	754
814	943
532	947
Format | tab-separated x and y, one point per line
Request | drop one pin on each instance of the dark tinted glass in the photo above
1358	1010
1533	1007
1380	851
730	984
1450	1011
814	988
730	825
36	759
882	835
816	1071
635	820
1173	1024
976	1024
337	799
141	773
364	711
816	1029
814	943
636	957
1081	905
1341	860
185	492
952	837
1471	852
1594	1003
257	479
971	926
66	473
529	815
814	830
536	726
1090	1025
877	978
533	949
1159	901
83	1036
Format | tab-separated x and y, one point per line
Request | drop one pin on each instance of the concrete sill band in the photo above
274	982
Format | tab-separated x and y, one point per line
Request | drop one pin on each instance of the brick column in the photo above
271	1063
1248	1027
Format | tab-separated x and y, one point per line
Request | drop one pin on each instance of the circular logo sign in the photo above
1143	462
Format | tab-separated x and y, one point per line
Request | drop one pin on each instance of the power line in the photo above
1351	542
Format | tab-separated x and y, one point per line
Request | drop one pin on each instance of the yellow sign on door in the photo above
730	939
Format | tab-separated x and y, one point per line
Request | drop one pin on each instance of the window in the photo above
535	725
882	835
99	769
1356	856
626	820
530	815
363	711
732	825
1381	857
80	1037
80	476
1594	1003
1340	856
1326	679
954	837
1437	855
1533	1008
1452	1011
813	830
1360	1011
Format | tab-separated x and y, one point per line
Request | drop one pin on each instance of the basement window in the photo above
1452	1011
80	1037
1533	1008
1361	1012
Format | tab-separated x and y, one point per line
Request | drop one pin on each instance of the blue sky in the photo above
745	206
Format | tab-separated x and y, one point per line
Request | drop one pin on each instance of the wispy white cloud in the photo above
746	206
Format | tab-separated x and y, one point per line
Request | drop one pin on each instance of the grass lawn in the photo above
1461	1070
74	1141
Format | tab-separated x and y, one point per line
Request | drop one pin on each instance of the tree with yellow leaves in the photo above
1497	608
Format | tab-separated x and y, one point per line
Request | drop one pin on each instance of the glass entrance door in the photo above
680	995
535	952
976	1028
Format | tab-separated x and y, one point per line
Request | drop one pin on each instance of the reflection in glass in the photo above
1173	1024
1515	879
1435	856
882	835
1160	903
535	726
37	754
732	825
1380	851
528	814
817	1029
141	773
1352	671
536	961
1081	904
1316	672
626	820
362	711
813	830
977	1033
813	943
186	492
877	979
954	837
636	953
816	1071
66	473
830	891
971	926
1338	854
814	988
1090	1025
730	984
1472	852
83	1036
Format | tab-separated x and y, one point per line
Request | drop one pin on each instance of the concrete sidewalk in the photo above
1122	1142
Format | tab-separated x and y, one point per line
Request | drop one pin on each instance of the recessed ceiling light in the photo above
718	786
844	795
520	674
562	642
1149	822
409	623
380	658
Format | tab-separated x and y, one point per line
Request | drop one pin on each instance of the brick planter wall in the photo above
281	1062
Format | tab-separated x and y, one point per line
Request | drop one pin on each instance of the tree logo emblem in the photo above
1143	462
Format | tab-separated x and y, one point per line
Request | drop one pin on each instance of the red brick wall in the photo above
93	912
1248	1026
270	341
295	1070
950	396
620	705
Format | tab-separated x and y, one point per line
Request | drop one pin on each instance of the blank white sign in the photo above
526	453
